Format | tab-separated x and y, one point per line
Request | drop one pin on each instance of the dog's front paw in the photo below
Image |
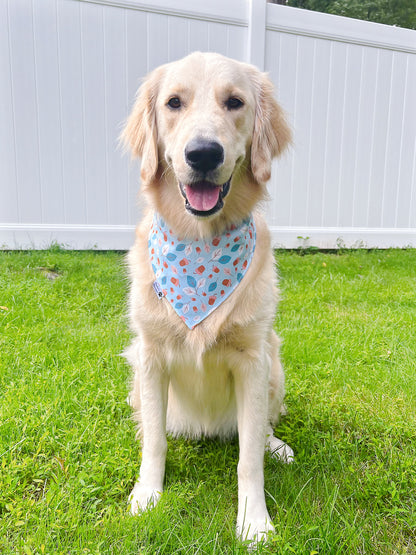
143	498
254	531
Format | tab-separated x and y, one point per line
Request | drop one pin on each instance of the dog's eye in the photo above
234	103
174	102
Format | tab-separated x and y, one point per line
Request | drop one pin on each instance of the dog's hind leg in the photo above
278	448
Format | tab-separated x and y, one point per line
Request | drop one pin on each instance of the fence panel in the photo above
70	69
347	87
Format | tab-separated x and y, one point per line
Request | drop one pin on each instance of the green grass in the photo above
68	455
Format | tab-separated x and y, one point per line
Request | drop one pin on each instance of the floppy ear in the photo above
140	132
271	132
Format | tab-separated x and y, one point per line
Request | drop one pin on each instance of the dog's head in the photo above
206	128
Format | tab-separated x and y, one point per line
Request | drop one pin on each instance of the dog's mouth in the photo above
204	198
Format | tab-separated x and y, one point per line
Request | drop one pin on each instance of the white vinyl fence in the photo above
69	70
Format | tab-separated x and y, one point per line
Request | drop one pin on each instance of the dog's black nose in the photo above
204	155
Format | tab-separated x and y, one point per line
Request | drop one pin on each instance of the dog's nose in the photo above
204	155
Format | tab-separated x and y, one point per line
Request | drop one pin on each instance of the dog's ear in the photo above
140	132
271	132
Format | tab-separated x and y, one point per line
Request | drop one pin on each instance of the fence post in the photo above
257	32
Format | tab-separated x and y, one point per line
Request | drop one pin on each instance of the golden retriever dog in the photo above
203	286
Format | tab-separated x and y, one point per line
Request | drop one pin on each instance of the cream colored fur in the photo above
224	375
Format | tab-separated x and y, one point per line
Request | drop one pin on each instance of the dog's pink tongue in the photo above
202	196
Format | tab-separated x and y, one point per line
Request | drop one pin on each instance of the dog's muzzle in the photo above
204	197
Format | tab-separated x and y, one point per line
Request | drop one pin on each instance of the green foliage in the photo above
401	13
68	455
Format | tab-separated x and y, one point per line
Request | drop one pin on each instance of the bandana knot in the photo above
196	276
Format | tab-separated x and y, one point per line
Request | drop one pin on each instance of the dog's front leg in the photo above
251	386
153	399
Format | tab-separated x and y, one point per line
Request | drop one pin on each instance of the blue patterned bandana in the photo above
196	276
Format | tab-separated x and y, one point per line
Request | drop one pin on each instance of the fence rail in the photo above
70	69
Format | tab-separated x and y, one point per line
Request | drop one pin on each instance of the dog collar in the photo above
196	276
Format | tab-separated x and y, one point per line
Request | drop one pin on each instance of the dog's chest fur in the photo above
251	305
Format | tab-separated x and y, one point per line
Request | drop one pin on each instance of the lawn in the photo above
68	455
